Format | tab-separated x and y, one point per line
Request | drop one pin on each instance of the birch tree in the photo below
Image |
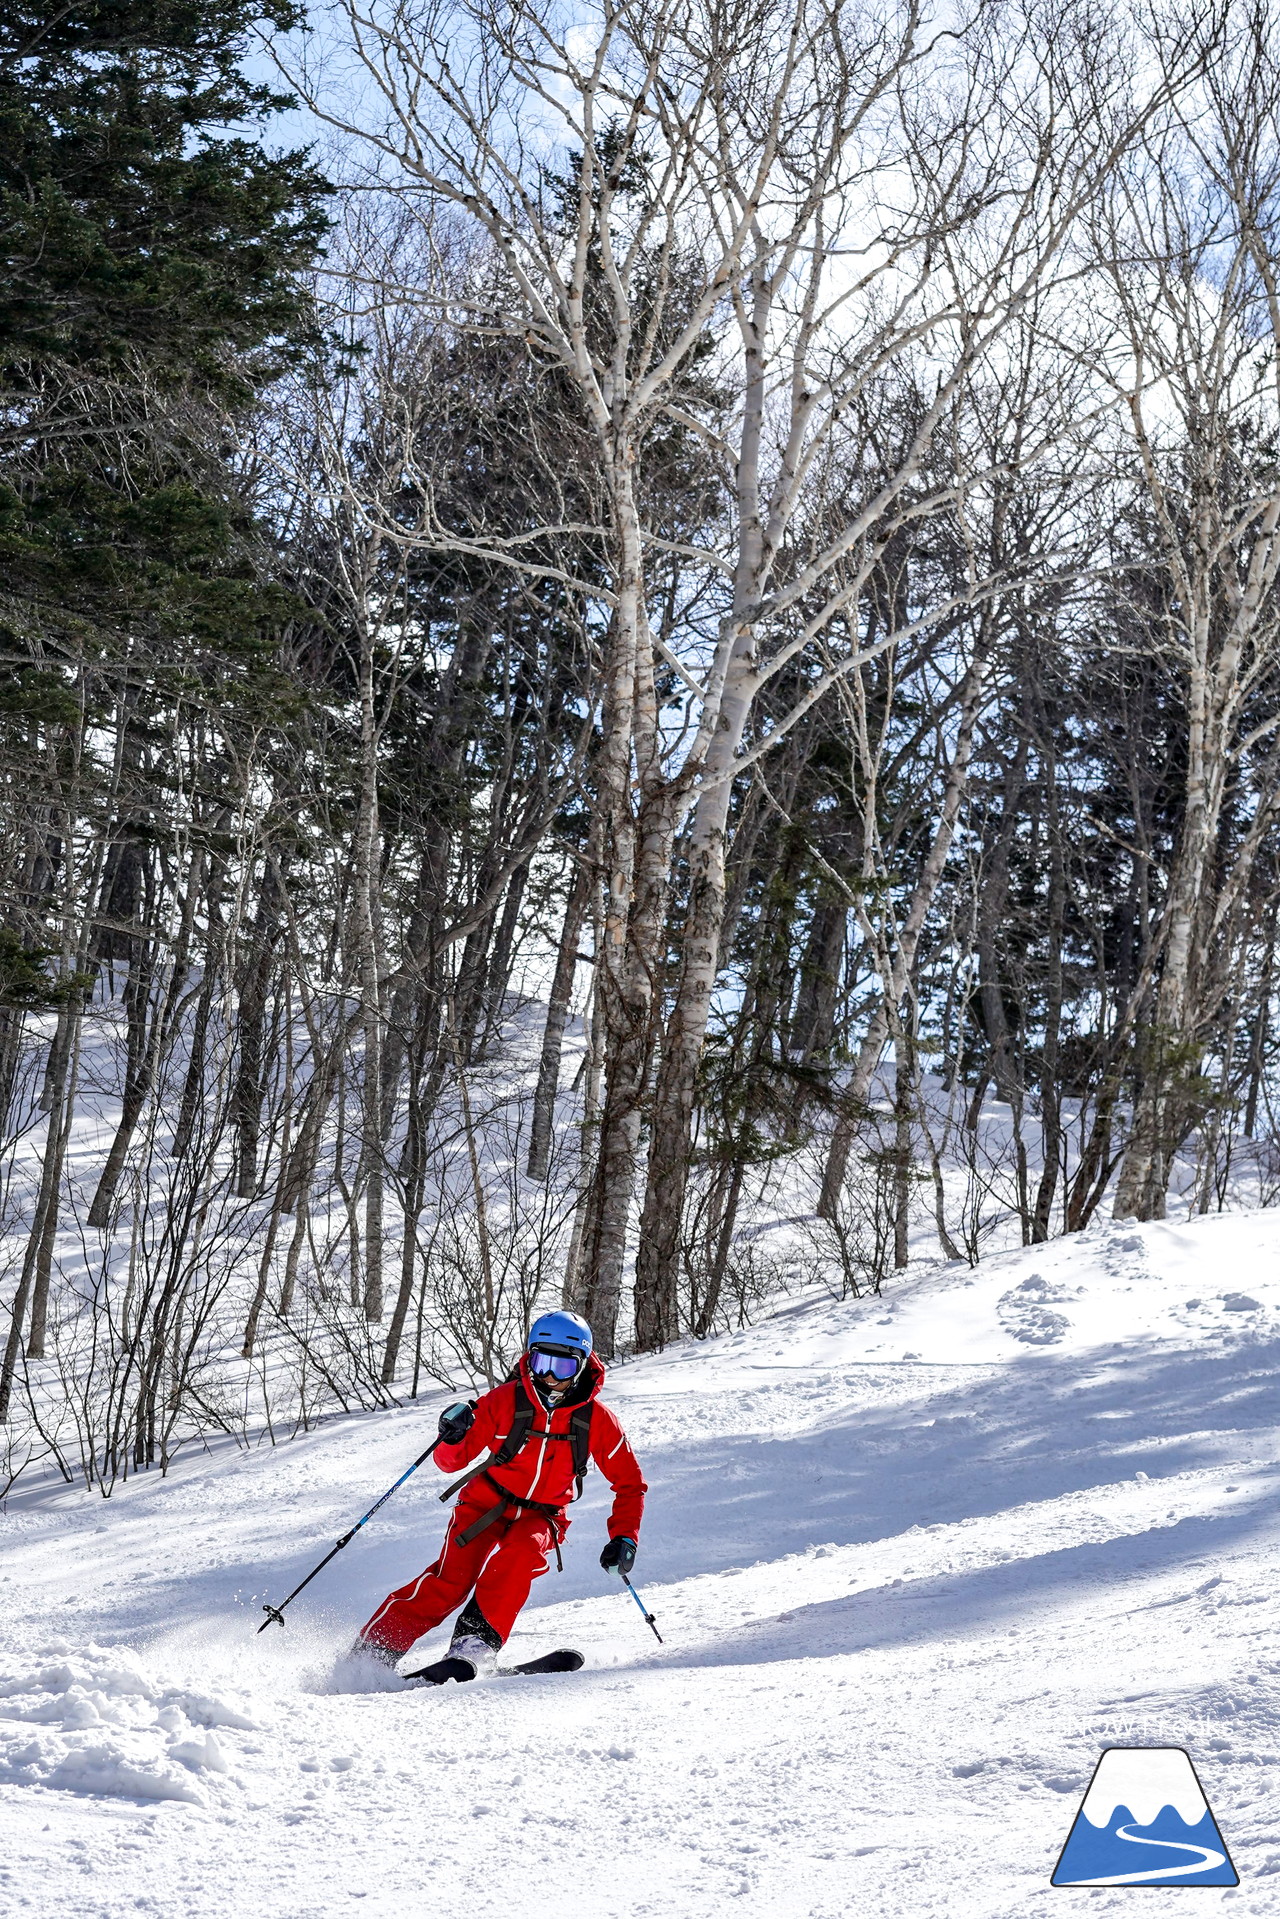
1191	246
815	196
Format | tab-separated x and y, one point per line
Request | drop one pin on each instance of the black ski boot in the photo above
441	1671
473	1650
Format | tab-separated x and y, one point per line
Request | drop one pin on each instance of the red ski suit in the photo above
501	1563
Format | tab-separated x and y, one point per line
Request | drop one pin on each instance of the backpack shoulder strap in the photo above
580	1441
579	1434
521	1425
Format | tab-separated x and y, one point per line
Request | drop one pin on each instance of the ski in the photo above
442	1671
563	1660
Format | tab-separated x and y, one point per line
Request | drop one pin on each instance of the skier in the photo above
537	1431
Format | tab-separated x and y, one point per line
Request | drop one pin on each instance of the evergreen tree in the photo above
149	287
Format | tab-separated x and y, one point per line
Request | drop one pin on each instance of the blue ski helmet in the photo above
556	1339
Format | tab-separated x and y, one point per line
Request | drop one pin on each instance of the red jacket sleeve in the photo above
493	1418
613	1455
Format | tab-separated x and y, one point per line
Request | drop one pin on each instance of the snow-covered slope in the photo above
916	1561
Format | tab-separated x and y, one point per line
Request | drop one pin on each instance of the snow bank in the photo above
97	1723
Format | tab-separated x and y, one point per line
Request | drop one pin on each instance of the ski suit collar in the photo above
586	1386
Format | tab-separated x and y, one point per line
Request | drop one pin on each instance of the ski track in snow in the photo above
916	1560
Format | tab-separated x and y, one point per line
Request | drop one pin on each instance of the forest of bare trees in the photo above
651	675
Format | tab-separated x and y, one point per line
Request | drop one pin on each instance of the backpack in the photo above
522	1431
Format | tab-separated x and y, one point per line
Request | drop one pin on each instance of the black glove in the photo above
619	1556
456	1421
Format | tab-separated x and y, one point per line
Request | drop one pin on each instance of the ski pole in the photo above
649	1619
276	1613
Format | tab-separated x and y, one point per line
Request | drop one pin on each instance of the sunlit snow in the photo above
915	1564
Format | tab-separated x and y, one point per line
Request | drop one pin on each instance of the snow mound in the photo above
1024	1313
96	1722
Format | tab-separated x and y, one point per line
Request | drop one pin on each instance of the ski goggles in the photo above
555	1365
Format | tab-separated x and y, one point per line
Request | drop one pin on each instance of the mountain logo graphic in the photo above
1144	1822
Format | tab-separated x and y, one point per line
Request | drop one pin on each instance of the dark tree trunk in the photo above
250	1081
37	1264
544	1098
1051	1131
813	1023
